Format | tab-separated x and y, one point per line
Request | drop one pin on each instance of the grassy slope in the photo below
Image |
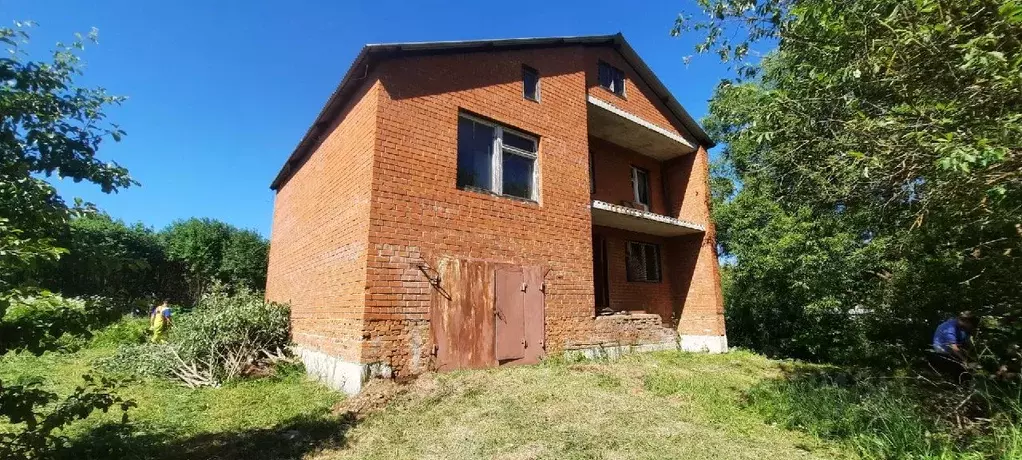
664	405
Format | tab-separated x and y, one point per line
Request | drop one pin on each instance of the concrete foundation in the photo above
336	373
688	343
704	343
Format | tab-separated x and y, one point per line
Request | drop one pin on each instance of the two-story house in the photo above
481	203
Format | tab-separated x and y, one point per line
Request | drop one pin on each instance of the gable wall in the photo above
320	232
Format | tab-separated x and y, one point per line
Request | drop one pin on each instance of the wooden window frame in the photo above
497	158
635	188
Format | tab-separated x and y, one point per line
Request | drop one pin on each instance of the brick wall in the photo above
638	99
320	234
418	210
699	276
612	166
650	297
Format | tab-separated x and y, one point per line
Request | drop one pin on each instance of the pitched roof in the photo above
376	52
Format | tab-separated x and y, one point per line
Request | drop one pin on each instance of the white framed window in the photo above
496	159
643	262
640	187
612	78
530	83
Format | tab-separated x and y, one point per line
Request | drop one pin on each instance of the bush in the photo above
154	360
130	330
889	418
49	322
39	416
223	338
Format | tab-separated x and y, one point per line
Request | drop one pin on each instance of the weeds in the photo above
886	418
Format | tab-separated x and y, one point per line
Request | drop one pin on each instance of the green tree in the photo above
212	251
872	170
106	257
48	126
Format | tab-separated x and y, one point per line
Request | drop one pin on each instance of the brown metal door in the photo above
535	315
509	304
461	317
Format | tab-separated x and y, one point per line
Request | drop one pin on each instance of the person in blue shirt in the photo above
950	341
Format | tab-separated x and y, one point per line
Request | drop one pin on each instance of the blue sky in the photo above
221	91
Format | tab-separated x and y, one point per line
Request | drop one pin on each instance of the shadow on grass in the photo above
291	439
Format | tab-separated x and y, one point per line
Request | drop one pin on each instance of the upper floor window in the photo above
612	78
640	186
643	262
496	159
530	83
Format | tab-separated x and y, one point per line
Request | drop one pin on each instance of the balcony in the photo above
627	130
639	221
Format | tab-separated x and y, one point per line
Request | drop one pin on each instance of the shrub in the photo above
130	330
39	416
156	360
224	337
49	322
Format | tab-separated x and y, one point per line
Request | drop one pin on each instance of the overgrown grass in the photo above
884	418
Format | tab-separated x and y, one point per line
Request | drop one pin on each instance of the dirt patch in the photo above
587	367
380	392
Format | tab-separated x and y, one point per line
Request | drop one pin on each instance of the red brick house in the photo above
479	203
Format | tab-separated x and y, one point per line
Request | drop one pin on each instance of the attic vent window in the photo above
612	78
530	83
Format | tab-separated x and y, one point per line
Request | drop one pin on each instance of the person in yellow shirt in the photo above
160	322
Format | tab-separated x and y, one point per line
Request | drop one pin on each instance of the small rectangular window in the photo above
530	82
496	159
643	262
612	78
640	185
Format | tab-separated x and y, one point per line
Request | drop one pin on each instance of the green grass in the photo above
248	419
661	405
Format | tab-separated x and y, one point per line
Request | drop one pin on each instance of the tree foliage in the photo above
212	251
48	126
106	257
871	182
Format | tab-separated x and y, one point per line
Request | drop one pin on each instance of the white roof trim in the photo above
624	210
645	124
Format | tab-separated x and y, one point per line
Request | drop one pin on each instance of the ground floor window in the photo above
643	262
